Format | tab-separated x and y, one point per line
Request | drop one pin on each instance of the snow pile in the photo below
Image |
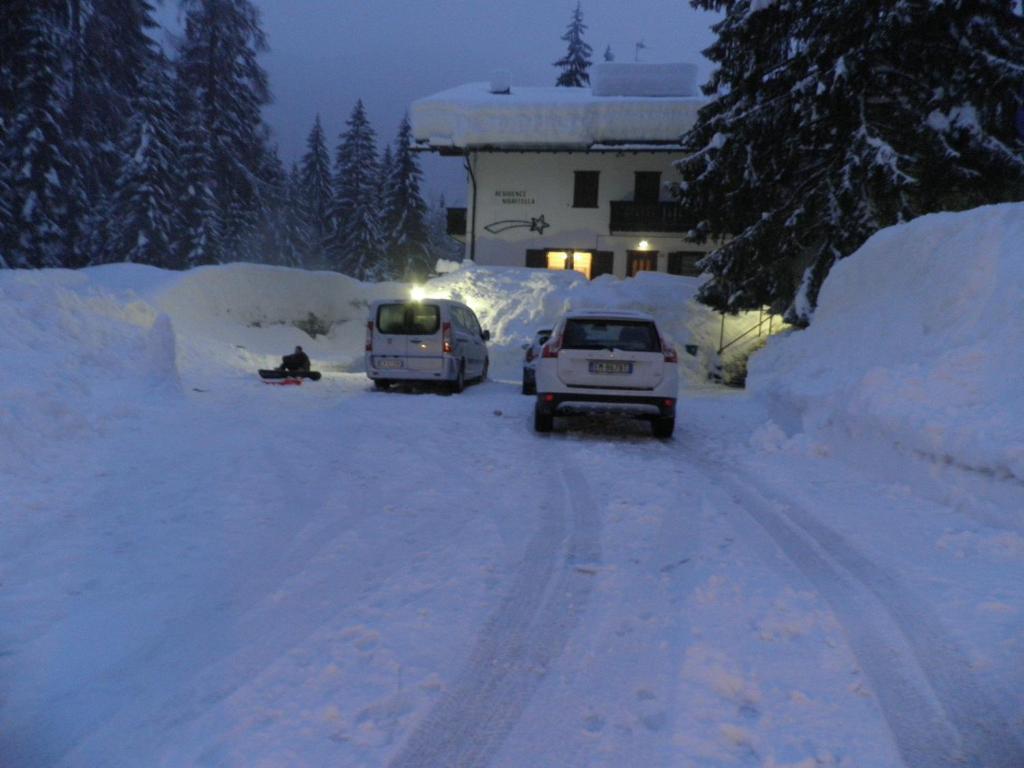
471	115
633	79
513	303
77	355
918	339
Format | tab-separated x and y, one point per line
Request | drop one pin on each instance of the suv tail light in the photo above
369	336
446	338
553	347
670	352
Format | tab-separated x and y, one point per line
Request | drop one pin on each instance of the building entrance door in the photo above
641	261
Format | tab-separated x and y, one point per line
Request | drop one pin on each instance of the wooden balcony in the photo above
456	222
627	216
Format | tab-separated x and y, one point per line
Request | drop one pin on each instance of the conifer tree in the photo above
356	247
38	173
218	65
406	232
199	231
145	196
825	128
608	55
441	245
296	235
115	62
575	65
388	215
317	193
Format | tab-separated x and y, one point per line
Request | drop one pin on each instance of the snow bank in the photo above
918	339
634	79
471	115
77	354
106	342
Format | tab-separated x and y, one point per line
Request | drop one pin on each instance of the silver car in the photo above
532	352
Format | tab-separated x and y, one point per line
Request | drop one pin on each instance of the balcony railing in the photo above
456	222
627	216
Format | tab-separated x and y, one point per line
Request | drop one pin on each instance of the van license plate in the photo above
610	366
389	362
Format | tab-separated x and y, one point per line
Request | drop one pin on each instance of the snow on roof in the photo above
472	115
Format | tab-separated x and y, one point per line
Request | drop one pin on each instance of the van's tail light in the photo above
369	336
670	352
553	347
446	339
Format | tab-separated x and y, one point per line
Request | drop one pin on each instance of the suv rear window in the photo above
413	319
627	335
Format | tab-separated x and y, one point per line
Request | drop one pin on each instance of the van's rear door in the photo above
424	350
390	340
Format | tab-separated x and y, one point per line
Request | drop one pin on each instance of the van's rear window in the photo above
627	335
409	319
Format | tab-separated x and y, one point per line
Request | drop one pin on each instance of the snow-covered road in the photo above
328	575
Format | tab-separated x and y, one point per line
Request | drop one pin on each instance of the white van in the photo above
427	340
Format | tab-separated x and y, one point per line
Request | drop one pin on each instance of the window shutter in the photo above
585	187
685	263
603	263
536	258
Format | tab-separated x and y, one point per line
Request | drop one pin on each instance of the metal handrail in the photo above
761	320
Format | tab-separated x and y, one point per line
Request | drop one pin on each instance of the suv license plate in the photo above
389	362
610	366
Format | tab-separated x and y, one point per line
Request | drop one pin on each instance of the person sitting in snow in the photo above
297	362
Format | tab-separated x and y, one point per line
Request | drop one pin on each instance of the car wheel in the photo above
529	384
381	383
664	427
543	422
460	379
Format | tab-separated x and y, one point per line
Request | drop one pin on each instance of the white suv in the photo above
607	360
429	340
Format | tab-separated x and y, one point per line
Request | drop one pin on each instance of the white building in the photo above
570	178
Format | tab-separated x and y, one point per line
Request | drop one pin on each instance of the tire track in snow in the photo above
950	721
520	641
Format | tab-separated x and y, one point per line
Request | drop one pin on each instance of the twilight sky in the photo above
327	53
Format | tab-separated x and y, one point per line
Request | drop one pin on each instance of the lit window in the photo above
557	259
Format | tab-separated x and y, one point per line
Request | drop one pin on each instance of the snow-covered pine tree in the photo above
834	119
113	54
198	237
356	247
218	64
35	165
143	217
608	55
406	224
274	246
388	217
575	65
440	244
296	236
317	194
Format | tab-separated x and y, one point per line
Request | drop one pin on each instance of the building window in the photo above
641	261
580	261
588	263
647	186
685	263
584	193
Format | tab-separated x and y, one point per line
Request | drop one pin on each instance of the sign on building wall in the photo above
514	197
